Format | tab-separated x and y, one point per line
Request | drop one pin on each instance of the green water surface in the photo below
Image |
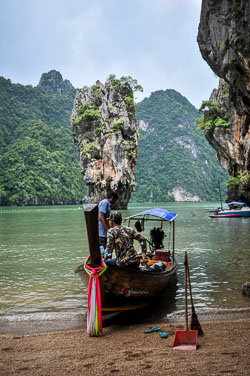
40	247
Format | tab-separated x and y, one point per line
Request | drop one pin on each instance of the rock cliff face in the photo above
105	128
224	41
54	83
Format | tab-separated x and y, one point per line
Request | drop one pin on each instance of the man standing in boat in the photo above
121	238
104	209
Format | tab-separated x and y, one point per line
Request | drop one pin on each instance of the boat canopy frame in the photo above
156	215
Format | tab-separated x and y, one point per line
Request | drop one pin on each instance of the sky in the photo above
154	41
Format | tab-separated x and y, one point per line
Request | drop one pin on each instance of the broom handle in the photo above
189	284
186	311
195	325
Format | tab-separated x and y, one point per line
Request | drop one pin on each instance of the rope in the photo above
94	313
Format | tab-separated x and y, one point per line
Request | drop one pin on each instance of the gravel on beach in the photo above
127	350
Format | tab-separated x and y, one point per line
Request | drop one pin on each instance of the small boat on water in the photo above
233	209
122	284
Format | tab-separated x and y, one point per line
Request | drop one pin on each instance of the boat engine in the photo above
156	237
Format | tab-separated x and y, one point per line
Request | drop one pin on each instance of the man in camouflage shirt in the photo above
120	238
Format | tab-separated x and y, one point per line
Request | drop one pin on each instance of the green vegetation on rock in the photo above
212	117
241	178
39	162
126	86
118	124
172	153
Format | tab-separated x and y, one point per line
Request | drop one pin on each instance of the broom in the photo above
194	325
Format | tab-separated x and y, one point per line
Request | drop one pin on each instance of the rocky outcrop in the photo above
53	82
246	288
223	38
187	143
105	129
181	195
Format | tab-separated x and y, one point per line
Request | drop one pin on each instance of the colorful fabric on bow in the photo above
94	313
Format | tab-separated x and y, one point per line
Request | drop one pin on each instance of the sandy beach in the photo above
123	350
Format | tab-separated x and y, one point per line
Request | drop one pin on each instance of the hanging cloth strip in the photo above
94	313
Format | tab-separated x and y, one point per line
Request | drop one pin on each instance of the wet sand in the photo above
127	350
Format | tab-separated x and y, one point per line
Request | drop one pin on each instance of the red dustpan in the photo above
185	339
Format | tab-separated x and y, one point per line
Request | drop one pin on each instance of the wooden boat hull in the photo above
129	283
224	216
231	214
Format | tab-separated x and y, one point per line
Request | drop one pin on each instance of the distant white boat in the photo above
233	209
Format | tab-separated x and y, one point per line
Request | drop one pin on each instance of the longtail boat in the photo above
233	209
122	284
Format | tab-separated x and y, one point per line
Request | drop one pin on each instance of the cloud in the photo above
153	41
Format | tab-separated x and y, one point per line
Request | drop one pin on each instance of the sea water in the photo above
40	247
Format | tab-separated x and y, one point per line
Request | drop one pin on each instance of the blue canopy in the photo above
236	203
164	214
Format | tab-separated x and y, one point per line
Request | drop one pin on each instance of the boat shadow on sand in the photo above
155	309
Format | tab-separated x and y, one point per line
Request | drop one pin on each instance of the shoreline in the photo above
224	349
79	322
14	327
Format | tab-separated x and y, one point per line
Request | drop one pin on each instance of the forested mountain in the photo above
39	161
38	158
175	161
